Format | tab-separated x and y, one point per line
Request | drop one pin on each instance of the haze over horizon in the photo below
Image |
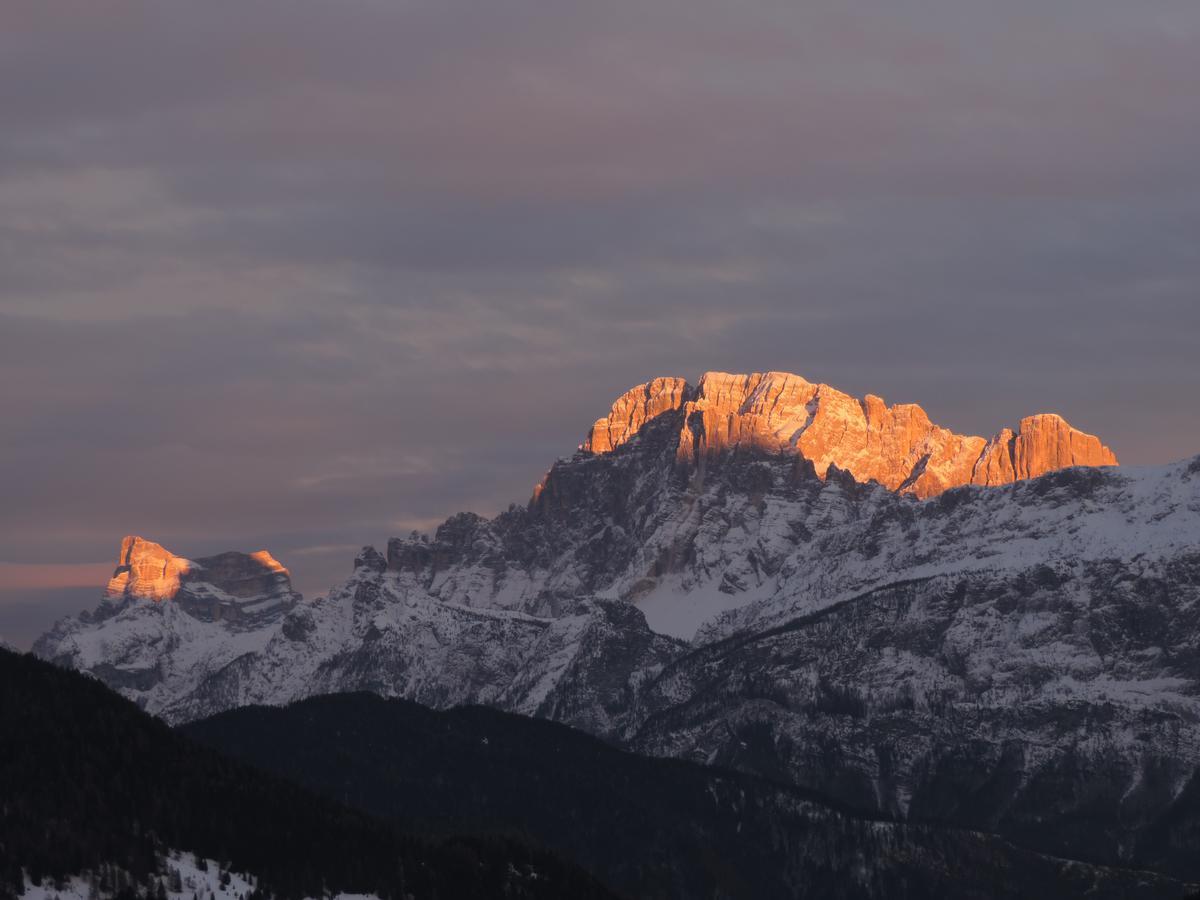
312	275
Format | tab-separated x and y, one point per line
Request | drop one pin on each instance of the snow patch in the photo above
677	609
194	877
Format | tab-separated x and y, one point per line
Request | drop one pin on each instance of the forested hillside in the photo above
655	828
88	780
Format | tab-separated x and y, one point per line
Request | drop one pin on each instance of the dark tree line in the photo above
90	782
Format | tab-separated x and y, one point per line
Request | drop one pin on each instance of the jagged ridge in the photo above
897	446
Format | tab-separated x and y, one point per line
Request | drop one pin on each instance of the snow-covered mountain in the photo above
773	575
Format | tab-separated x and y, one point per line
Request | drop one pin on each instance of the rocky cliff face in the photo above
635	408
1015	654
243	591
238	587
896	446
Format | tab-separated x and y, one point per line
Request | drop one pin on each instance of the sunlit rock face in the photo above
1042	444
897	446
230	585
633	409
146	571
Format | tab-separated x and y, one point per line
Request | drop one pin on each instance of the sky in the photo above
303	275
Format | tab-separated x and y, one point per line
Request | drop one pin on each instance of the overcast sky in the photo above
306	275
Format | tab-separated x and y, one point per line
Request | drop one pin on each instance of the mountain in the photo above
377	632
896	446
93	786
770	575
238	588
653	828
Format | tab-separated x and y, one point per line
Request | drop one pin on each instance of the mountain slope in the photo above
88	780
655	828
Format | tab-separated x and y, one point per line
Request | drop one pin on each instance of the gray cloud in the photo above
315	273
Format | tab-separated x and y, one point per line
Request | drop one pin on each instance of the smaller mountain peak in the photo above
1046	441
231	583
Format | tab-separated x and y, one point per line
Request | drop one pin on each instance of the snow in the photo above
674	608
1143	513
195	880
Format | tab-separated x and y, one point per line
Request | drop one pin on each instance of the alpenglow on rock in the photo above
239	587
895	445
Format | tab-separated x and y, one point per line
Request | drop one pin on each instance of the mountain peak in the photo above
230	583
897	446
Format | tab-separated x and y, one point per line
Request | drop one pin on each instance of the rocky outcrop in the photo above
1041	444
234	586
897	446
633	409
146	571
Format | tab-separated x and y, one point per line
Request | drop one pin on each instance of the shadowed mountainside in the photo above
87	779
655	828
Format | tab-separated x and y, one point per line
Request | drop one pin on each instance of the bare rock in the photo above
632	410
228	585
371	559
1046	442
897	446
146	571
